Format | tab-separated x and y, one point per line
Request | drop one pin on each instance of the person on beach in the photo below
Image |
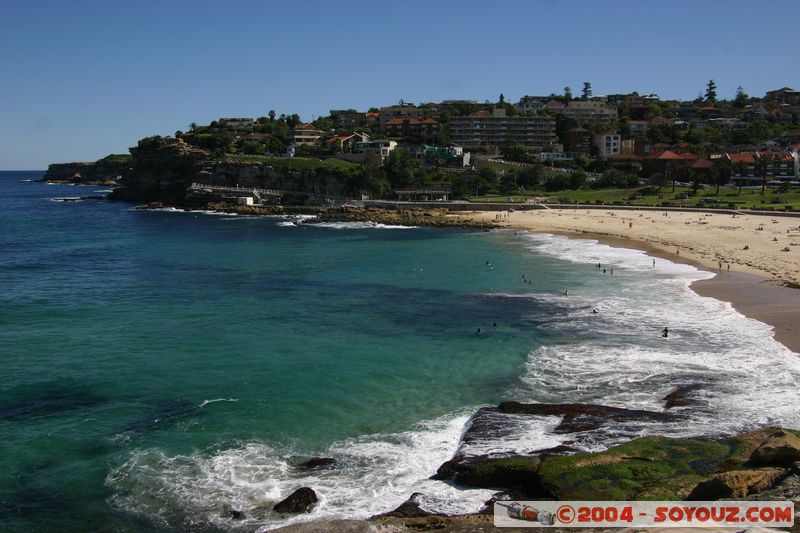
654	263
566	293
665	333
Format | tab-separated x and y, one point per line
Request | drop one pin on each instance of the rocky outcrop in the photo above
107	171
408	509
317	462
781	448
584	417
401	217
300	501
682	396
736	484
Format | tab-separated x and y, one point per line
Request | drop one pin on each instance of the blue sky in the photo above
82	79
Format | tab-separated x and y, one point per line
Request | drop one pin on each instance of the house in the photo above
346	143
554	107
608	144
785	95
402	110
452	153
411	127
667	162
495	128
529	104
306	135
742	165
347	119
585	112
382	147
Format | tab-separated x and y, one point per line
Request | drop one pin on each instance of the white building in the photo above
608	144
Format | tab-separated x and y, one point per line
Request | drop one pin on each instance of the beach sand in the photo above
756	276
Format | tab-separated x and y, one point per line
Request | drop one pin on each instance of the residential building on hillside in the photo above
579	141
496	128
608	144
529	104
306	135
397	111
785	95
382	147
584	112
411	127
347	118
346	143
554	107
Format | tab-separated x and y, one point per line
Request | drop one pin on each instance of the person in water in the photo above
665	333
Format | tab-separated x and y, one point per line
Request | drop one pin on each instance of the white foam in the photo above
360	225
206	402
65	199
373	474
746	378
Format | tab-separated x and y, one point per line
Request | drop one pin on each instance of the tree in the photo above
400	167
192	126
271	115
502	98
567	94
711	91
741	97
587	90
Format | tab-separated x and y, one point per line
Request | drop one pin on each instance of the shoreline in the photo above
751	291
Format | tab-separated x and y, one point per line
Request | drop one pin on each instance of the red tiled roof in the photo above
702	162
307	127
430	121
481	114
372	114
744	157
709	108
666	155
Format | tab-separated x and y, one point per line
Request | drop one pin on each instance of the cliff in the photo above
107	171
163	169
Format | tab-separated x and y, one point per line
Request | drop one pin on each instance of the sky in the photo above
82	79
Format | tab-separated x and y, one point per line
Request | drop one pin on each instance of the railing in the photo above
268	192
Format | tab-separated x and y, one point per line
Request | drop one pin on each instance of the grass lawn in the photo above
681	197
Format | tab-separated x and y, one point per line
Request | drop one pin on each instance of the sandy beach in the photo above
757	258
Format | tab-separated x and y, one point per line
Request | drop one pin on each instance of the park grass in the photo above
728	197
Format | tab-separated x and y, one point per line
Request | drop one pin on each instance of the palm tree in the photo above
192	126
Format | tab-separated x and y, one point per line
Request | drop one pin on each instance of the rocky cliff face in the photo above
162	170
109	170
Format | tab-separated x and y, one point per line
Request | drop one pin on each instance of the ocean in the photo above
160	365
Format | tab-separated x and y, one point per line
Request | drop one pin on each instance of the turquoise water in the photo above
119	324
158	365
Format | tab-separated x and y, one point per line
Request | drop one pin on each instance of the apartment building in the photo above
496	128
